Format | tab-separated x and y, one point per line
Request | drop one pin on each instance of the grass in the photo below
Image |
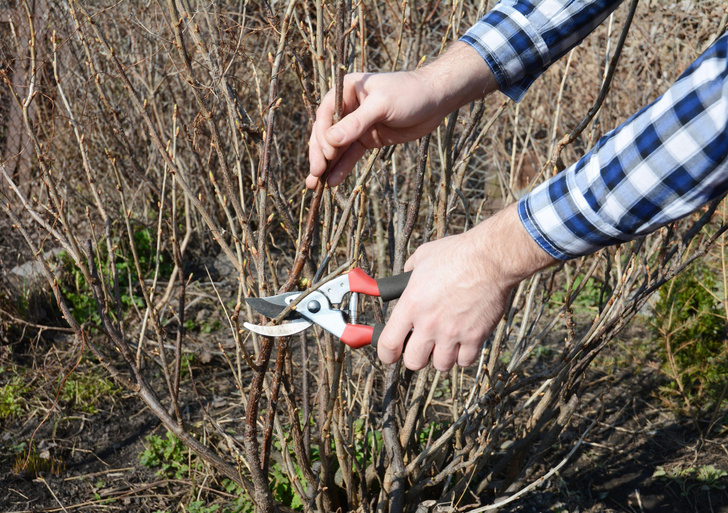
84	390
693	478
12	396
33	464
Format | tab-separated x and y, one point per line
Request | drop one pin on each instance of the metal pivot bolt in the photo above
314	306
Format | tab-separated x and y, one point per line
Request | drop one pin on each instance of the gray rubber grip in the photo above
392	287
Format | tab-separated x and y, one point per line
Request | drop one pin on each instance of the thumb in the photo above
354	125
411	262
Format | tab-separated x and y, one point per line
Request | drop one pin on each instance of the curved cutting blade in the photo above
272	306
283	330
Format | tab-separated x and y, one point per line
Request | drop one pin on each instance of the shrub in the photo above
690	330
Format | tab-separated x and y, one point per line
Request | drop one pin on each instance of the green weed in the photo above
187	360
201	507
205	327
366	445
84	390
543	352
282	488
690	330
430	432
170	454
242	504
590	294
78	293
280	484
11	397
443	390
690	479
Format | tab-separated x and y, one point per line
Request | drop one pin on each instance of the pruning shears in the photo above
322	307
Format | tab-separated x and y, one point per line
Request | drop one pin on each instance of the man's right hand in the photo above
381	109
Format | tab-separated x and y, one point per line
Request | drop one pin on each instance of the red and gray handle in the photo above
387	288
359	335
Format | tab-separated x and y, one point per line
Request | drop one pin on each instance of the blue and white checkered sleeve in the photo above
660	165
519	39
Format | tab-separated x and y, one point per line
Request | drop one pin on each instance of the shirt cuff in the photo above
660	165
511	46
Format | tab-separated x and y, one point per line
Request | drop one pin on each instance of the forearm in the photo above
457	77
508	248
519	39
660	165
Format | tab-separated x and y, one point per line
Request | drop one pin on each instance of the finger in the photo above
324	120
417	353
389	346
409	265
355	124
316	158
346	163
468	354
411	262
444	356
312	181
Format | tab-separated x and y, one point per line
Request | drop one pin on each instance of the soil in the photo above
92	459
634	436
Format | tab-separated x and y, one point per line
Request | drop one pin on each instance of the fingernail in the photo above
335	134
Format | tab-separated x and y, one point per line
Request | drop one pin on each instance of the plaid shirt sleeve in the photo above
519	39
660	165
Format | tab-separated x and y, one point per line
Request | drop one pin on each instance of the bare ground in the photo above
97	466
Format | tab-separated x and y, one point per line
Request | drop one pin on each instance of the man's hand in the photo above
378	112
381	109
458	292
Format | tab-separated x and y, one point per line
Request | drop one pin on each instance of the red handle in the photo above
359	281
357	335
388	288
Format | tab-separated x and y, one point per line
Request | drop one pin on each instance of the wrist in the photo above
508	249
458	77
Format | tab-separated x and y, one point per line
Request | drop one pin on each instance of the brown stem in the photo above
275	386
413	208
263	497
568	139
396	472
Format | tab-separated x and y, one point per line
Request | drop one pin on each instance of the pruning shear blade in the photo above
283	330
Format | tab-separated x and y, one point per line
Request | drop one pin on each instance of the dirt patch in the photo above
616	468
638	456
84	449
97	458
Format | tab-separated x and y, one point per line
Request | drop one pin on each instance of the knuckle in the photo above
387	343
354	122
451	332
